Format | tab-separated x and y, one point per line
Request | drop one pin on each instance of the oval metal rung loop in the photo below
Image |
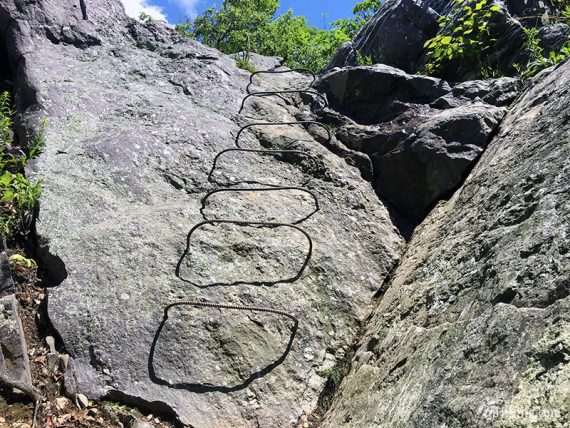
249	224
295	70
301	122
235	307
263	152
260	189
277	93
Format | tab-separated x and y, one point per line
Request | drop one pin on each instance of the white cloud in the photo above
135	7
188	6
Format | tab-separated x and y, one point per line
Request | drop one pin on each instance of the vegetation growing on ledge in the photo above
252	26
19	196
468	36
465	35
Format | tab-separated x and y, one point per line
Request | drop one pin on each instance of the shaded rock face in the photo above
14	363
396	35
474	329
6	282
421	134
135	121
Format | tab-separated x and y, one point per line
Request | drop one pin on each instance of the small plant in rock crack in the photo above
244	63
365	60
538	61
18	196
145	18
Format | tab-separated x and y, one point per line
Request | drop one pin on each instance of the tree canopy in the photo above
252	26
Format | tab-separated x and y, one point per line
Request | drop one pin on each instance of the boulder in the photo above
474	329
422	134
395	36
14	363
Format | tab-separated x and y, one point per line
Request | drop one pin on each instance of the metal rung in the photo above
260	224
261	189
235	307
278	93
295	70
263	152
301	122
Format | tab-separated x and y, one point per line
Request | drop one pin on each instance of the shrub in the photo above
19	196
465	35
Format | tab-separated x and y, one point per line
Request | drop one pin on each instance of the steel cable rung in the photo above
278	93
300	122
295	70
263	152
258	189
235	307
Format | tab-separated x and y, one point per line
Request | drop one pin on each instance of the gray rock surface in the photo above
474	329
14	364
6	282
260	62
421	134
135	121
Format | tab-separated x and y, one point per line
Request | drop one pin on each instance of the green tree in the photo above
362	11
252	26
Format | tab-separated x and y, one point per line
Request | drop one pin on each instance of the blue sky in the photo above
175	11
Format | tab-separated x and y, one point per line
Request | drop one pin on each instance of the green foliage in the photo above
19	262
465	35
244	63
334	375
364	59
537	60
488	72
566	13
363	11
19	196
252	26
145	18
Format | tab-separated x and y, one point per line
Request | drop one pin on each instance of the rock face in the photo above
14	364
396	35
474	329
6	283
422	134
137	115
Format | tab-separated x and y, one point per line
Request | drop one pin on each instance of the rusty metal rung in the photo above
260	189
263	152
234	307
301	122
295	70
278	93
264	189
247	224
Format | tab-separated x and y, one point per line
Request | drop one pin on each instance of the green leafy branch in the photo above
538	61
19	196
465	35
